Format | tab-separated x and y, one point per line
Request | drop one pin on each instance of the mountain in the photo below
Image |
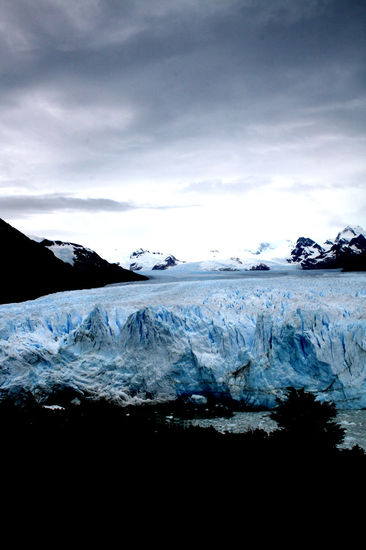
347	251
305	248
30	269
264	257
155	261
144	260
271	250
88	263
349	233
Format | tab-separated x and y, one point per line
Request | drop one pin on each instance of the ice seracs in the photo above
247	338
242	335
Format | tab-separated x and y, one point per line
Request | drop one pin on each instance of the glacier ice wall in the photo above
246	338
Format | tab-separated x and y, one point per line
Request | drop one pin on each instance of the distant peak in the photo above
141	251
349	232
261	248
143	259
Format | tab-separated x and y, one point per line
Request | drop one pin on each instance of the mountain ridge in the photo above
31	270
347	251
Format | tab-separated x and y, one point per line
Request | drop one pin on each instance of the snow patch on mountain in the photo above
144	260
70	253
276	250
64	251
346	251
305	248
349	233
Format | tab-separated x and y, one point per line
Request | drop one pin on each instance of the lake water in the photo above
353	421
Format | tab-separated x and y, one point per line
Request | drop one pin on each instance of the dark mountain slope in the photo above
30	270
89	264
347	251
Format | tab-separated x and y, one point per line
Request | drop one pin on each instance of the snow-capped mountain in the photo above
31	269
349	233
144	260
264	257
271	250
305	248
346	251
85	260
70	253
248	338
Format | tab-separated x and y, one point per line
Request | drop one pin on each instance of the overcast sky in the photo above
182	125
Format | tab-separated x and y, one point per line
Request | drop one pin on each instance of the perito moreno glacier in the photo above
247	338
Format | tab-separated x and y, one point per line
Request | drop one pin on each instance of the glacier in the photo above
246	337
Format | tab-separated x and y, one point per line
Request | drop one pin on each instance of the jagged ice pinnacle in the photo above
248	338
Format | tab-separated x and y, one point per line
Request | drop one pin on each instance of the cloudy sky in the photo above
182	125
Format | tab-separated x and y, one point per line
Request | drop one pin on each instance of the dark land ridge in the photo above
97	432
30	270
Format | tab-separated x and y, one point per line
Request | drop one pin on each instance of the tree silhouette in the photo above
307	425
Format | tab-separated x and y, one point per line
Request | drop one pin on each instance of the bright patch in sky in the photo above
182	126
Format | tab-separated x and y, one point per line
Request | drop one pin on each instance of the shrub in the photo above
307	423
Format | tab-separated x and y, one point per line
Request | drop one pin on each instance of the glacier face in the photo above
244	337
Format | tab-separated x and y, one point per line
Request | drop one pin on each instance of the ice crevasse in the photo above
247	339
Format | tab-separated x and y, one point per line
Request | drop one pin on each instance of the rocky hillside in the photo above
30	269
347	251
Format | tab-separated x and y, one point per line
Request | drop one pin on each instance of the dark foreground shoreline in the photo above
88	438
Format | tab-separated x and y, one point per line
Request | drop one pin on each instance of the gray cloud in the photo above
222	95
171	60
219	187
26	205
356	182
13	205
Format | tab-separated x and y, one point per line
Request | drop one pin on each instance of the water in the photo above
354	422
